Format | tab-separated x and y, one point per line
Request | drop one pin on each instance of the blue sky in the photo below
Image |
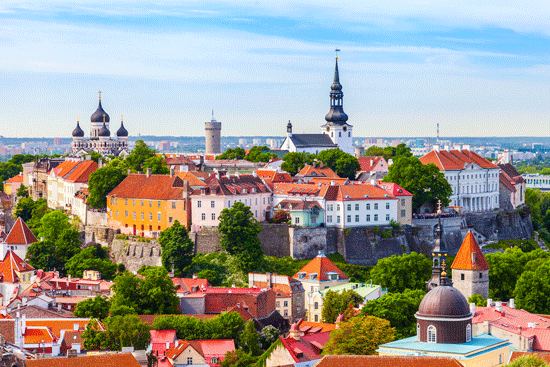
476	67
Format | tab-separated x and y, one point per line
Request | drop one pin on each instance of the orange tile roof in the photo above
328	180
20	234
383	361
56	325
65	168
191	178
364	191
507	181
103	360
154	187
10	265
455	159
38	335
321	327
368	163
320	265
464	258
313	171
82	172
15	179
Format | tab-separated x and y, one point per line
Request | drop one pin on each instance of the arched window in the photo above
432	334
417	332
468	333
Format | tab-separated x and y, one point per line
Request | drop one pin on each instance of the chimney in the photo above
76	327
268	280
373	182
332	183
167	345
512	303
148	172
447	148
177	342
172	170
489	302
437	148
129	171
255	173
473	309
195	276
59	307
88	157
23	324
466	147
498	306
100	163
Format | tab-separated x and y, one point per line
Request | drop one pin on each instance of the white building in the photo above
474	180
335	133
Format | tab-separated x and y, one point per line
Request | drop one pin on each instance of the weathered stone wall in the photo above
505	225
275	239
305	243
99	234
206	241
135	254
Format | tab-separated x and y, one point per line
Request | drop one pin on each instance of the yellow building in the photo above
12	184
146	204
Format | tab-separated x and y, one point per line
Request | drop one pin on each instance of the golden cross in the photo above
99	96
438	205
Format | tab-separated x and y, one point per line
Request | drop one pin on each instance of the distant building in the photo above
512	187
336	132
213	130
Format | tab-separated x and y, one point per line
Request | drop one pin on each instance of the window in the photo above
349	207
316	318
189	360
368	217
500	359
337	219
338	207
229	203
417	332
277	304
316	305
298	299
286	312
159	216
297	220
170	219
480	275
376	217
134	215
432	334
126	213
158	204
356	219
375	206
173	205
403	212
142	215
134	202
198	204
330	207
212	204
387	205
117	213
125	201
213	360
402	202
150	216
203	216
151	204
286	303
349	219
213	216
462	276
468	333
141	202
339	135
387	217
329	218
356	206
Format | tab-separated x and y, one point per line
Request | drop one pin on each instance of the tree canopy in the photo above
344	164
335	303
177	248
249	339
137	157
295	161
360	335
157	164
102	182
96	308
120	331
92	257
31	212
401	150
528	361
407	271
424	181
233	153
239	235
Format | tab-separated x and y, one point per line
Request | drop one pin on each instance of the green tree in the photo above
7	171
268	335
92	258
527	361
249	339
344	164
31	212
96	308
238	358
532	294
53	225
101	183
478	300
360	335
22	191
177	248
94	338
139	155
335	303
239	235
532	199
295	161
237	153
407	271
375	151
120	331
259	154
425	182
157	164
398	309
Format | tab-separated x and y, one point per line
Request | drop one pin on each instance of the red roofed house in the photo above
512	187
309	172
319	274
404	206
474	180
200	352
289	293
162	340
103	360
147	204
65	180
303	344
470	269
373	164
526	331
19	239
12	184
386	360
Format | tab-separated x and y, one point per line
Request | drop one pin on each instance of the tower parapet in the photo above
213	130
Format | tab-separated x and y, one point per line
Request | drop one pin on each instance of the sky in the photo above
476	67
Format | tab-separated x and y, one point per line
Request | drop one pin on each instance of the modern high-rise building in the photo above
213	130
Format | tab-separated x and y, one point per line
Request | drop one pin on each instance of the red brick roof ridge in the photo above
19	229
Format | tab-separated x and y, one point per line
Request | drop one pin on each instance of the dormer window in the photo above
312	276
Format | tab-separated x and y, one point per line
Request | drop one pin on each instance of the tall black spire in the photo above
439	258
336	115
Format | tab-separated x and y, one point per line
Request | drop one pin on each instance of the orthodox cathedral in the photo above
335	133
100	140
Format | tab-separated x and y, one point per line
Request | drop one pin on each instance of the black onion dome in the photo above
78	132
444	301
122	131
104	131
336	114
98	114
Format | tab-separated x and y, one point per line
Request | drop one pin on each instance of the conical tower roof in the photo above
470	257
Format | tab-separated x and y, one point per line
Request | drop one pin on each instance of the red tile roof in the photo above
384	361
12	264
15	179
65	168
103	360
320	265
394	189
511	171
82	172
368	163
307	348
319	172
38	335
455	159
163	336
328	180
20	234
191	178
299	205
364	191
507	181
154	187
56	325
186	285
465	259
301	190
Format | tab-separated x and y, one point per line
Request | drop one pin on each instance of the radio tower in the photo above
438	133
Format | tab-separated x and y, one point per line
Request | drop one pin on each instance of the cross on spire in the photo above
336	52
99	96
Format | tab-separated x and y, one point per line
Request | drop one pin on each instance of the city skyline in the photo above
474	67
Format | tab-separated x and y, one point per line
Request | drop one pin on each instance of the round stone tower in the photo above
213	130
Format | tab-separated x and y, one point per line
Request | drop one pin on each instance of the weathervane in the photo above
99	96
336	52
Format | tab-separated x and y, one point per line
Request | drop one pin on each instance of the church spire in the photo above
336	115
439	257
